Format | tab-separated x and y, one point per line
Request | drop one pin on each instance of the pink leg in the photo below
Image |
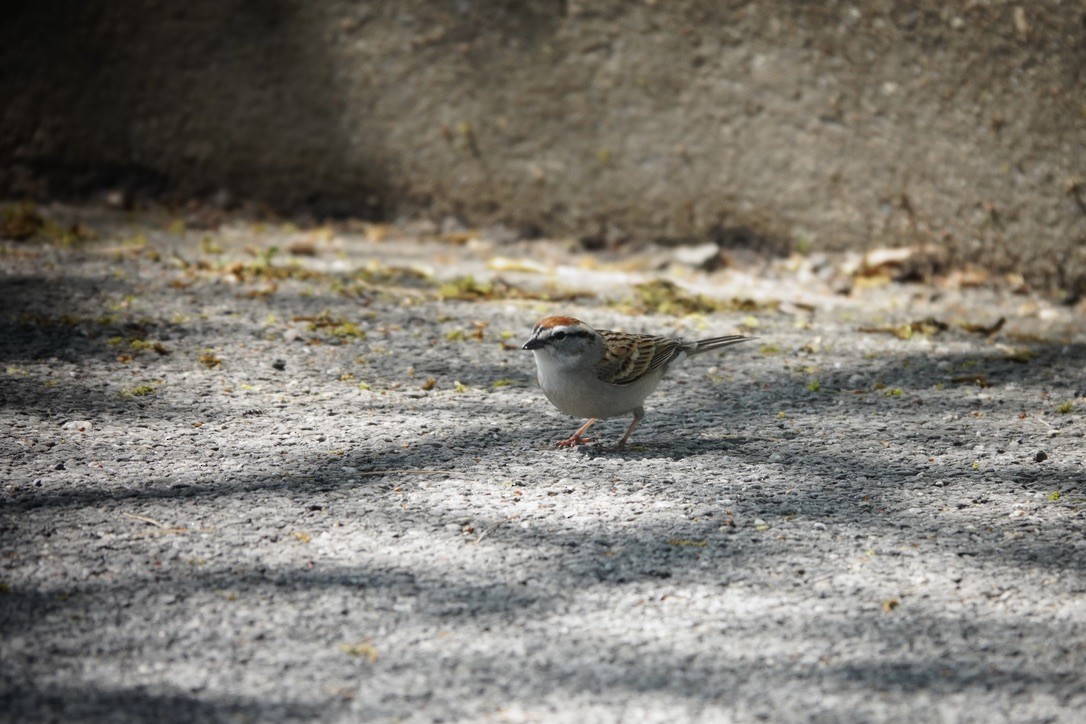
630	429
576	439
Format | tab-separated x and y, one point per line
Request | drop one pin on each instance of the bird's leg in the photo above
575	438
638	415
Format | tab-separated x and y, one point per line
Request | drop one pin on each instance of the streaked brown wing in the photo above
631	357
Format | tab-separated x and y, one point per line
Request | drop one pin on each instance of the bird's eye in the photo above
559	336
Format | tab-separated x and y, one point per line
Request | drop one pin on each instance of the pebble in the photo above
702	256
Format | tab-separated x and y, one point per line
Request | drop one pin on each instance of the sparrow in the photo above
598	373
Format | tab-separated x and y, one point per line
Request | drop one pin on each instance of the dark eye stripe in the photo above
562	334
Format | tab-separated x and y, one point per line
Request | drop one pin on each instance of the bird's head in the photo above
562	337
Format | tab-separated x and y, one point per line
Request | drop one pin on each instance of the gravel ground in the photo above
328	492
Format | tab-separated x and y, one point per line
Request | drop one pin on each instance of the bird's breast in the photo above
579	392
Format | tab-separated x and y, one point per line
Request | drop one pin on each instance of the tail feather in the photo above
705	345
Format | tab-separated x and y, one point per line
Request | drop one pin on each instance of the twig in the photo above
144	519
1043	421
491	529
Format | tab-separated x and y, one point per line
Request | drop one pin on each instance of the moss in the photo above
665	297
209	360
466	288
138	391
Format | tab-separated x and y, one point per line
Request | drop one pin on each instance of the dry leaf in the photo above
987	330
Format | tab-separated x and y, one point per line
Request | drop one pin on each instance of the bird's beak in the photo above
532	343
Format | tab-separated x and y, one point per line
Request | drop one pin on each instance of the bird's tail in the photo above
705	345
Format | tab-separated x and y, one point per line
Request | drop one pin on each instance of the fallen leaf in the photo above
928	327
987	330
362	649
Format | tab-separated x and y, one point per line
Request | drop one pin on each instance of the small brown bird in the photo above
597	373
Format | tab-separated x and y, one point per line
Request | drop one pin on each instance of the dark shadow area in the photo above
877	495
249	102
72	317
922	649
138	704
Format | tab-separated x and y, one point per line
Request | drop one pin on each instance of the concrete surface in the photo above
273	520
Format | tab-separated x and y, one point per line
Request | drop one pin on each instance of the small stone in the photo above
1041	456
224	199
279	365
500	233
419	227
452	225
530	231
703	256
78	425
118	199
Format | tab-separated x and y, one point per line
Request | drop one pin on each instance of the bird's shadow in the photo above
665	446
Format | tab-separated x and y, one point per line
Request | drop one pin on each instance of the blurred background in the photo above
959	128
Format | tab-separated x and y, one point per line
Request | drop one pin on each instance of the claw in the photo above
574	440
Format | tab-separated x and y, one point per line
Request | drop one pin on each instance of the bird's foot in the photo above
575	440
